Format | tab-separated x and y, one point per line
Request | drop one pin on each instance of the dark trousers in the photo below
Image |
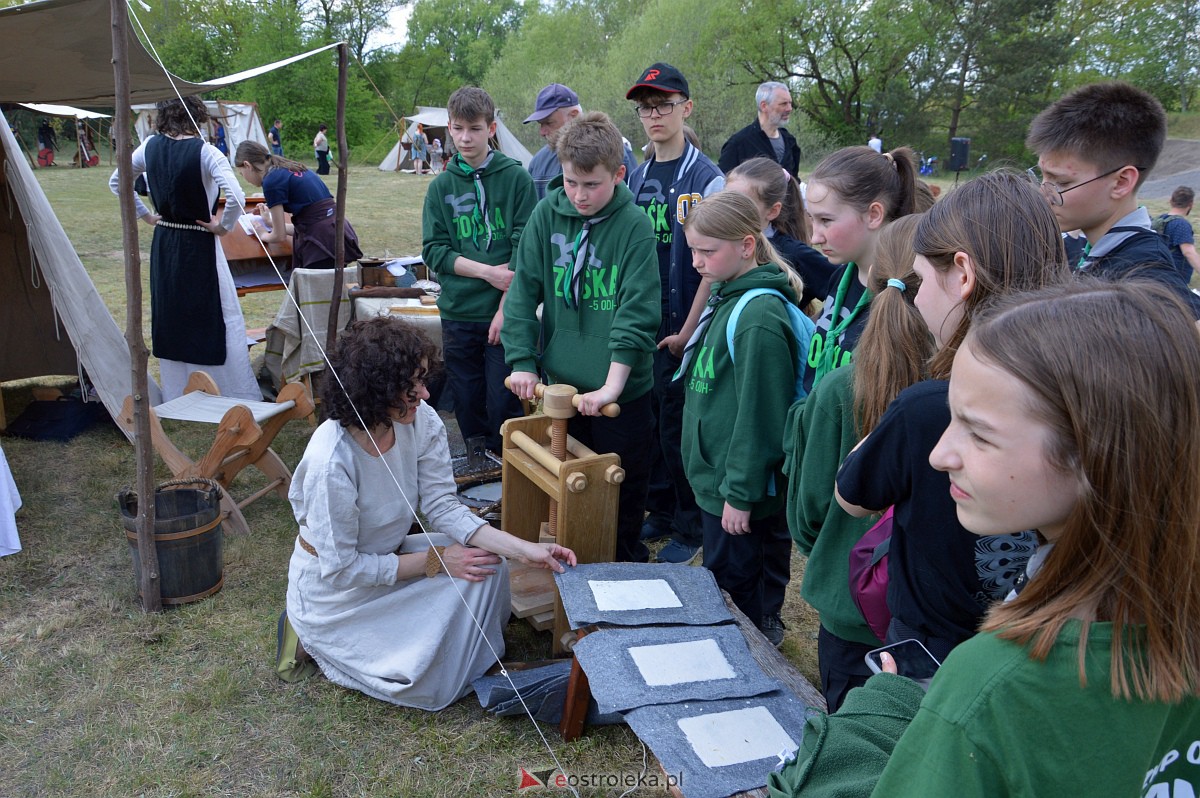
624	436
475	372
842	665
322	162
754	568
672	496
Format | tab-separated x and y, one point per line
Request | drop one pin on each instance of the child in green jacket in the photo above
474	213
734	412
588	255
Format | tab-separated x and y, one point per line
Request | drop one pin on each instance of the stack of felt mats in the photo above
542	688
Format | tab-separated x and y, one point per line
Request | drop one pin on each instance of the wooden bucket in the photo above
188	536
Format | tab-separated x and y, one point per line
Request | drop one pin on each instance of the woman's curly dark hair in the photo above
379	362
172	118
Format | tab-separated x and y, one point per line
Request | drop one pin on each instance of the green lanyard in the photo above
839	326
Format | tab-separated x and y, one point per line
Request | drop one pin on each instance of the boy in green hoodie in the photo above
588	255
474	213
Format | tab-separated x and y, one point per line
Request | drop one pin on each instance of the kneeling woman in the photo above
374	606
288	186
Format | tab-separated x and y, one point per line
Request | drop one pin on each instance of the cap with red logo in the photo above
661	77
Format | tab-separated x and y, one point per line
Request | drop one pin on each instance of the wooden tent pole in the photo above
339	222
149	580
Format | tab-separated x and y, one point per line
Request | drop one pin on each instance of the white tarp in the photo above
63	110
435	121
56	276
240	119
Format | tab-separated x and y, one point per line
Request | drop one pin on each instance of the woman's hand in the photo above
887	663
468	562
213	226
547	555
735	521
151	219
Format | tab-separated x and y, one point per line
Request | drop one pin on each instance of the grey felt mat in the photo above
758	728
629	668
641	594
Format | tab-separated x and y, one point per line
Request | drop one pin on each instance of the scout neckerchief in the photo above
1087	248
698	335
580	251
480	214
838	326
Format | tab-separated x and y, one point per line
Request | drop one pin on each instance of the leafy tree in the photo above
470	33
842	55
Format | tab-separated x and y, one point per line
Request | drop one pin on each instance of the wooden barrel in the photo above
187	534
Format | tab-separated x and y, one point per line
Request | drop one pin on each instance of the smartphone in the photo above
912	660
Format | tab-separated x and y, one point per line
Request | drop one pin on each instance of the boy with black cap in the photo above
666	187
556	105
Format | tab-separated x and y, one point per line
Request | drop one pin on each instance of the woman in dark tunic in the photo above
196	320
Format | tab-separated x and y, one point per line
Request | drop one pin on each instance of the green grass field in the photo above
100	699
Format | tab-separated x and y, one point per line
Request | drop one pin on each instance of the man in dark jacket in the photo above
765	136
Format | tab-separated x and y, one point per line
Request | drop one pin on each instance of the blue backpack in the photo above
802	329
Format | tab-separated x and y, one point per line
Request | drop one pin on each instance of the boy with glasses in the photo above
1095	147
666	187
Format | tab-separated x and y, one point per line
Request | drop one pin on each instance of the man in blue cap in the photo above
557	105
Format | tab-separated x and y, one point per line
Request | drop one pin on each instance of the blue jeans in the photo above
475	372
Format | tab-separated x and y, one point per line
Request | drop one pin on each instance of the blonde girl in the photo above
852	195
735	405
844	407
781	210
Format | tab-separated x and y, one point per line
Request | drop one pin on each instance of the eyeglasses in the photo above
1053	192
664	109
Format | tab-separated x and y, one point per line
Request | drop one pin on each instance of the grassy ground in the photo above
99	699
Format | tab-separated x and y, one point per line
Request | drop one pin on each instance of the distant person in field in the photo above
275	137
1178	230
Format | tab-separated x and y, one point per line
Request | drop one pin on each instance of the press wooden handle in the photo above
610	410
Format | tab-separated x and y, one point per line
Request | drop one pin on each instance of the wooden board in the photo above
533	590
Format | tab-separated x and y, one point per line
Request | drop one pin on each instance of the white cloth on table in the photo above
292	350
411	643
234	377
10	502
425	317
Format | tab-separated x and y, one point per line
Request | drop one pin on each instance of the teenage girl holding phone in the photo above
1075	412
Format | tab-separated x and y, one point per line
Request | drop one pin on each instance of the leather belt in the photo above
304	544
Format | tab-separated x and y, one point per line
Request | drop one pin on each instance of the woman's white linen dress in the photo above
412	643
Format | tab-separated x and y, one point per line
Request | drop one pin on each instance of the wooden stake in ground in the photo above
339	219
149	577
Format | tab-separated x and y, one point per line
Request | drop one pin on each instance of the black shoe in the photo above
772	629
654	531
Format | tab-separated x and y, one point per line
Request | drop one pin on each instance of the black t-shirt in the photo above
814	269
843	345
941	578
655	201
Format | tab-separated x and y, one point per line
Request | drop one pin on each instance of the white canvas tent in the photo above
54	321
435	121
241	121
